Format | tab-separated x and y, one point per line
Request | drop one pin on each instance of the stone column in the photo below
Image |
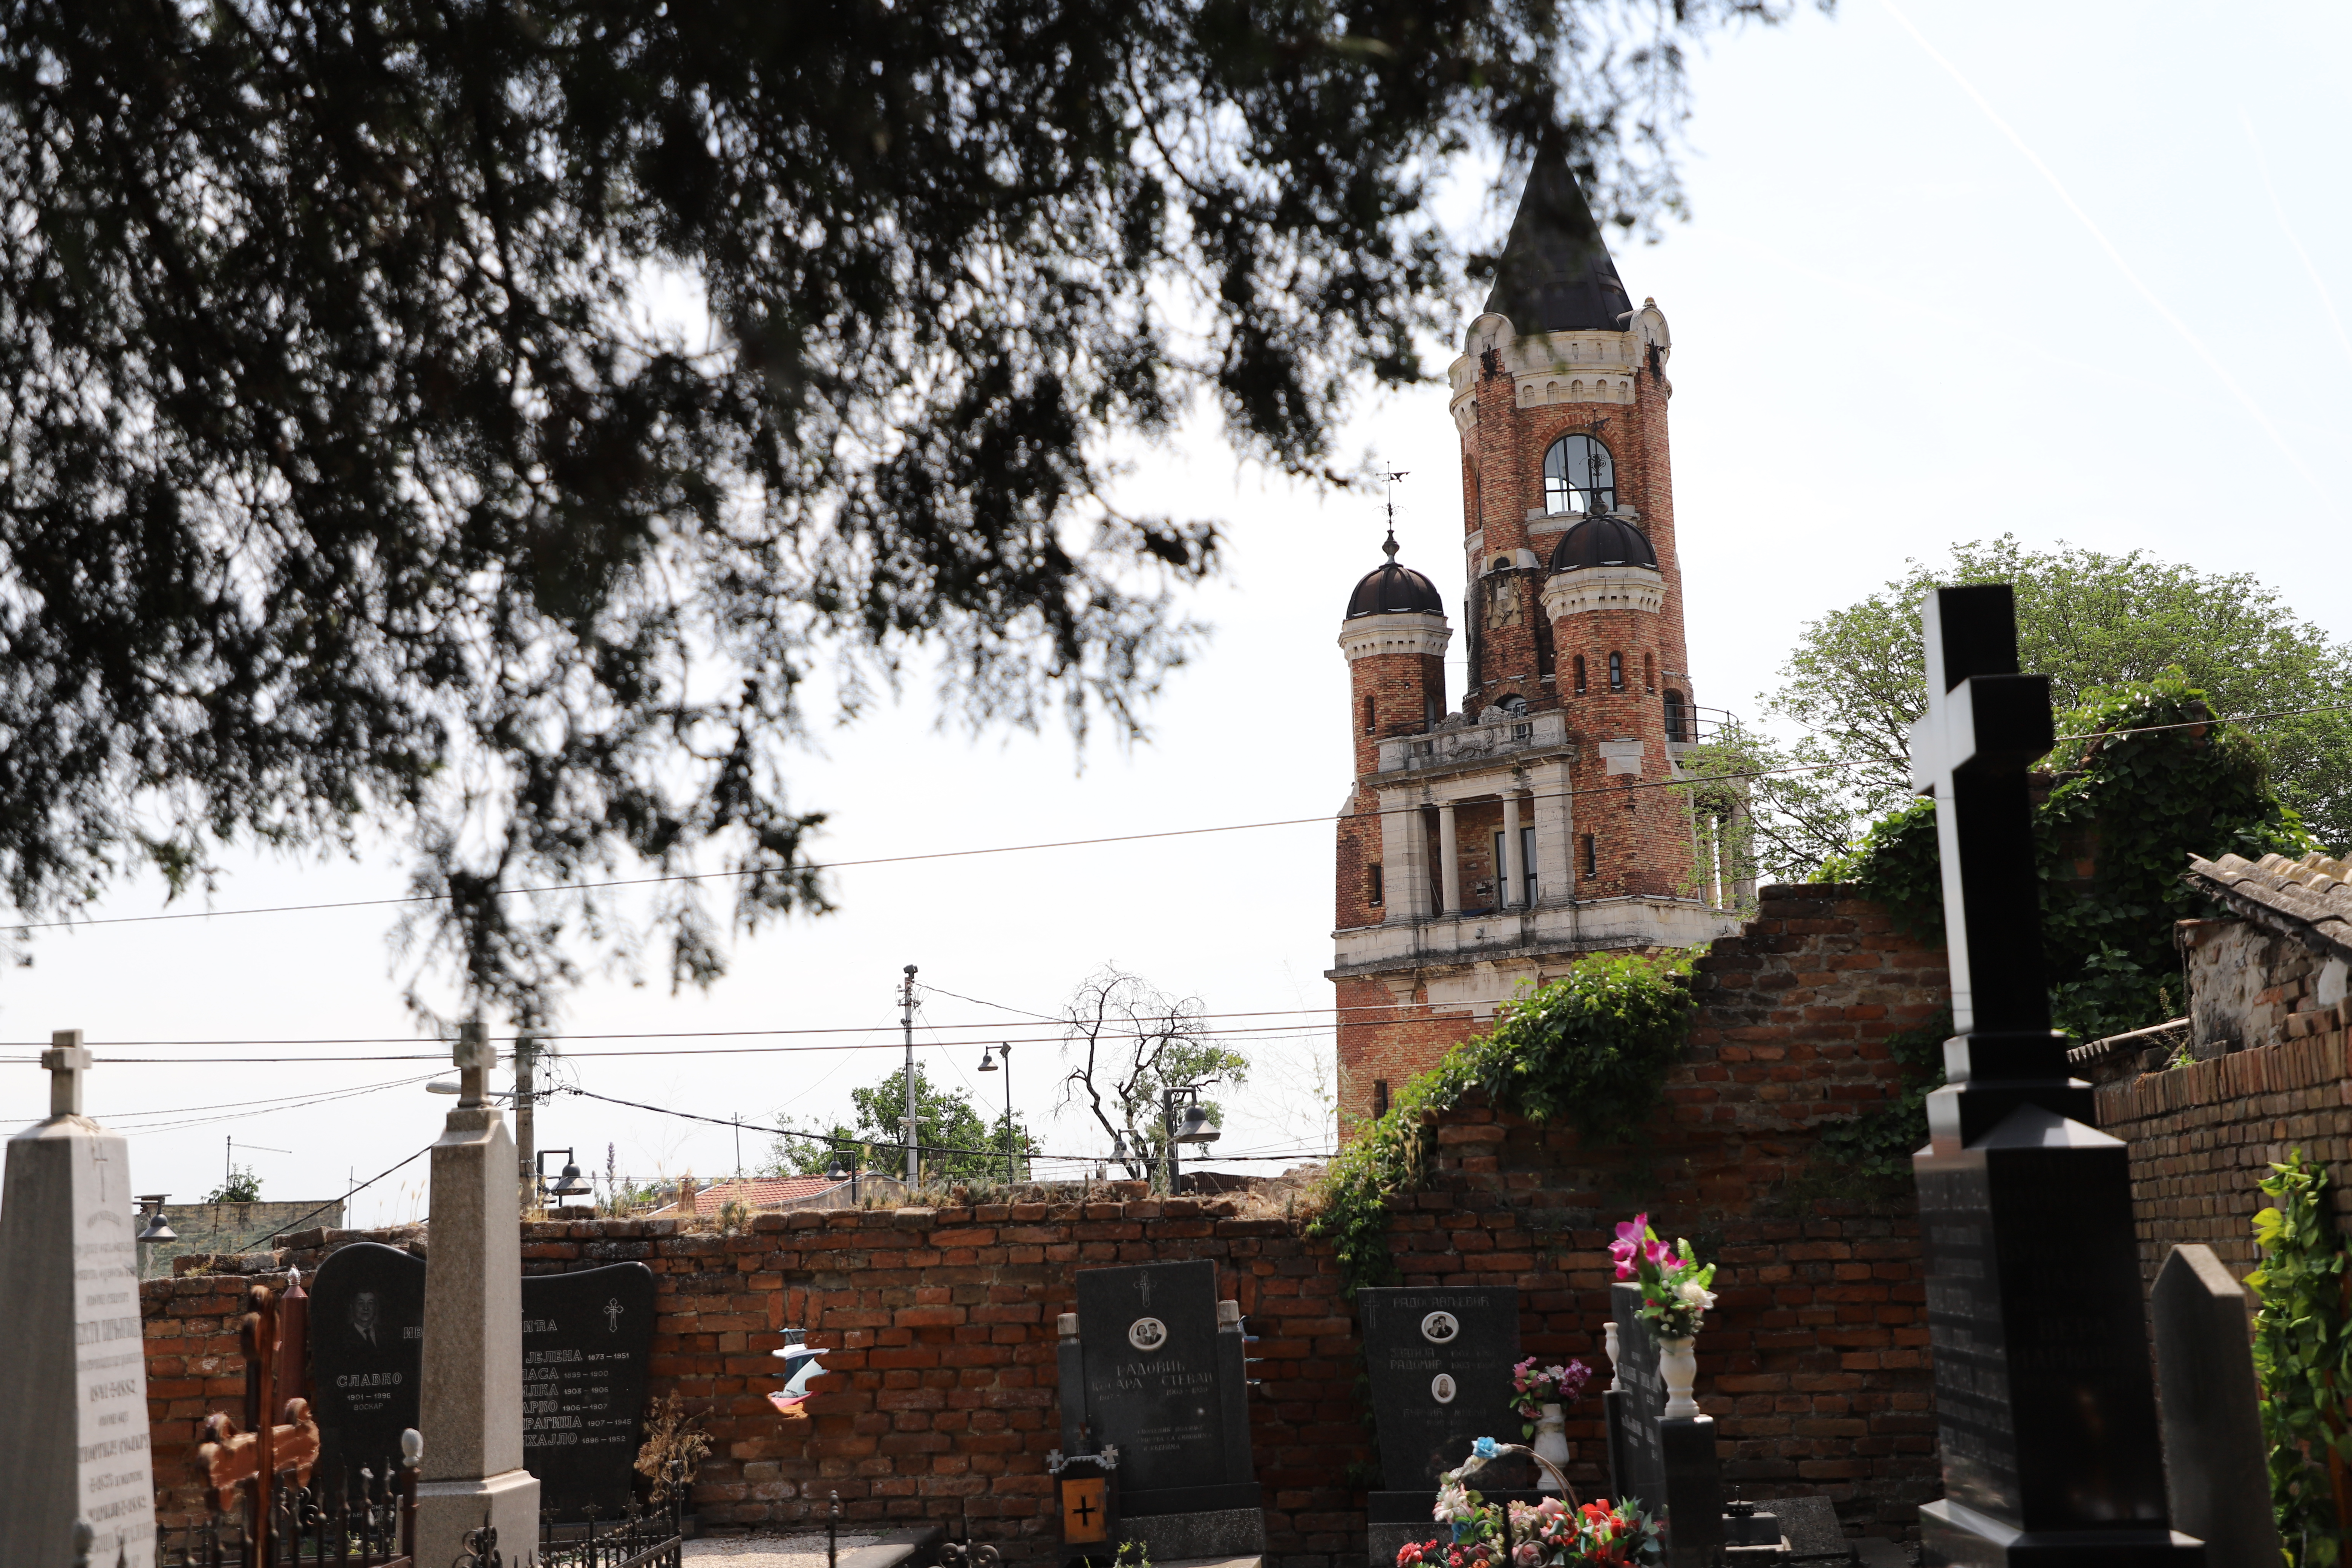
1449	867
1404	857
472	1394
73	1386
1513	875
1555	832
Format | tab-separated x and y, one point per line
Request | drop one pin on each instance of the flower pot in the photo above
1551	1435
1678	1367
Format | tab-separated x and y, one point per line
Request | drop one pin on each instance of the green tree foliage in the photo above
1591	1049
959	1142
239	1186
2091	622
2303	1354
351	481
2122	817
1128	1044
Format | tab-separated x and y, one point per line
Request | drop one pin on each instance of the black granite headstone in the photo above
586	1340
1164	1385
1441	1363
367	1353
1640	1460
2045	1410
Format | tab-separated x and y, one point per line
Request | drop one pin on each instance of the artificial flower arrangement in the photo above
1548	1534
1675	1294
1533	1387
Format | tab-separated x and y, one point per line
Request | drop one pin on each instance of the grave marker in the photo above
1669	1463
73	1383
2216	1462
367	1356
1156	1370
586	1340
1440	1363
2045	1412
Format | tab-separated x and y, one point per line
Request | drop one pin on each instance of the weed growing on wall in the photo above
1591	1047
2303	1353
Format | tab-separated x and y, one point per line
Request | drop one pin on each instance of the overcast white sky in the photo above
2078	280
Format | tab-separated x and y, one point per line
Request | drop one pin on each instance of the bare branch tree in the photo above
1128	1042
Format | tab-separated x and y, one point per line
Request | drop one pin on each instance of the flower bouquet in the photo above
1675	1294
1548	1534
1533	1387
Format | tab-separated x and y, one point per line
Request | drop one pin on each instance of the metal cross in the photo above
1985	727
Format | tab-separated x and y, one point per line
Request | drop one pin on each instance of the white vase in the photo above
1551	1435
1678	1366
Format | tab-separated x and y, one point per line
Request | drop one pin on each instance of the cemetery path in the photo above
801	1551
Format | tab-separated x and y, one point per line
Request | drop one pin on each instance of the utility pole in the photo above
526	1062
907	1023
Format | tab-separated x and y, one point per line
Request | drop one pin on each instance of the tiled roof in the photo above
2310	898
759	1191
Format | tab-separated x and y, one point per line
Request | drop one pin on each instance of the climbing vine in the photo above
2122	816
1877	1146
1592	1047
2303	1353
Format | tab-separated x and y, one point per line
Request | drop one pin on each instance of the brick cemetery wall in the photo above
2201	1135
942	1320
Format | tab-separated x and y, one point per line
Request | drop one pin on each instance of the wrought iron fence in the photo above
356	1518
653	1538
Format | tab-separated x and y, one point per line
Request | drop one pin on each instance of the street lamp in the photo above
988	1064
1194	1127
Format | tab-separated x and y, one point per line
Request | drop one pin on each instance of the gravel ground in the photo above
770	1550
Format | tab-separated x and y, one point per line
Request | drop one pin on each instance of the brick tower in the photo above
1486	847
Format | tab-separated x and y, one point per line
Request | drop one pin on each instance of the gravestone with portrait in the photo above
2045	1409
1152	1366
367	1356
1440	1361
587	1338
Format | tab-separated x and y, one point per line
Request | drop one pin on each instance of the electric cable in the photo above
1612	791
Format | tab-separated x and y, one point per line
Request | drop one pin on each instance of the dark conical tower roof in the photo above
1555	274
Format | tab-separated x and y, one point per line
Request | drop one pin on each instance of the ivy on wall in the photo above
2303	1353
1877	1145
2112	838
1591	1047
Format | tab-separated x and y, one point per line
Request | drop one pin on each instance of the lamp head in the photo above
838	1169
567	1184
987	1059
157	1227
1196	1127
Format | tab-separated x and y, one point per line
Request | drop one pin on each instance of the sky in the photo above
1951	270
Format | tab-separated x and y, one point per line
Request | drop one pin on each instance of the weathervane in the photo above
1390	547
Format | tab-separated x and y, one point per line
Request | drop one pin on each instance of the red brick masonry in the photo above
942	1320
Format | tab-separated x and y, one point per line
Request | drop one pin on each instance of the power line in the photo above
1611	791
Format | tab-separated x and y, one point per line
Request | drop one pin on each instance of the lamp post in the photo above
1194	1128
988	1064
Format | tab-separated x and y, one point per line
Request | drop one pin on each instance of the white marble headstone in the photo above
73	1381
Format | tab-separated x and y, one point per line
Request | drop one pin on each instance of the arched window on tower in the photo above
1578	477
1579	675
1616	672
1369	727
1649	672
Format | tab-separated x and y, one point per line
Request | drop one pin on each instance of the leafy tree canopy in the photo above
2092	622
959	1142
349	479
239	1186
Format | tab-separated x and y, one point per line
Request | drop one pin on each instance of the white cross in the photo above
66	1062
1985	726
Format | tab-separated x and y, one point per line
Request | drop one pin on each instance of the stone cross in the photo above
472	1398
73	1383
2045	1411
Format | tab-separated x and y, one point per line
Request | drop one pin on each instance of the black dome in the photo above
1394	590
1602	540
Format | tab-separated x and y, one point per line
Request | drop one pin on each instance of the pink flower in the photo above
1659	1253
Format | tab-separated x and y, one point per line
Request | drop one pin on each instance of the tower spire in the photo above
1556	274
1389	549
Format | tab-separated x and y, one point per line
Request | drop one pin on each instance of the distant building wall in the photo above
233	1228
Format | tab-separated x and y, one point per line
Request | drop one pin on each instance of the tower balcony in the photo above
1470	743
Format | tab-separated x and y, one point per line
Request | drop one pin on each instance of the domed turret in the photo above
1602	540
1394	590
